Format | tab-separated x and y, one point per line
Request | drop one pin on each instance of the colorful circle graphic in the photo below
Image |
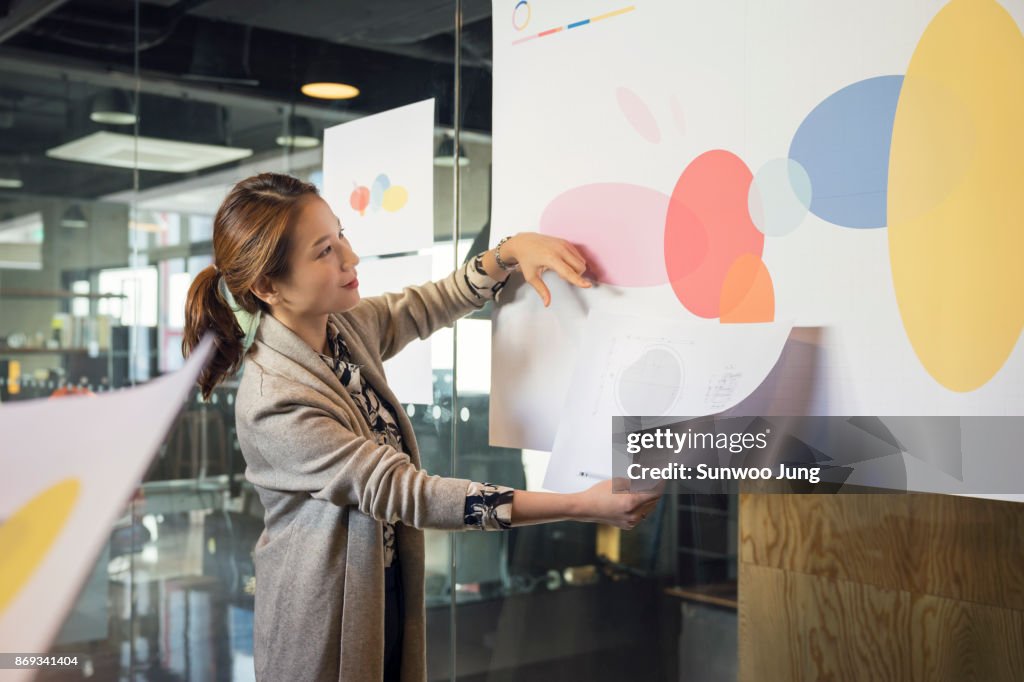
521	15
843	147
604	216
30	532
954	190
707	228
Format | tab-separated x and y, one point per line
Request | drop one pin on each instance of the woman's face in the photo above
322	265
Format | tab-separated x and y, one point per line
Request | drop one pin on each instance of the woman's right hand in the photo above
598	504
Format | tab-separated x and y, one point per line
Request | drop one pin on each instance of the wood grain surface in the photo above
880	587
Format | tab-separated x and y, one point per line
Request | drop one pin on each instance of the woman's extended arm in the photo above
418	311
303	448
597	504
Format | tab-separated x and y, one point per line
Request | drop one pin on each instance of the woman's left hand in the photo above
537	253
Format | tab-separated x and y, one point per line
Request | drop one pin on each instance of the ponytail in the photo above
250	241
206	310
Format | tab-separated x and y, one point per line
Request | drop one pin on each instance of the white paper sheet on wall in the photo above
410	373
379	179
644	366
694	146
70	466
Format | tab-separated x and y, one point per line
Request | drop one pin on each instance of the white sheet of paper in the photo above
379	179
530	380
698	77
652	367
410	373
70	466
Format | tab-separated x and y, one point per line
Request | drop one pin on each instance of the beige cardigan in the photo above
327	485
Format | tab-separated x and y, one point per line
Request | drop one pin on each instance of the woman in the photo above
340	565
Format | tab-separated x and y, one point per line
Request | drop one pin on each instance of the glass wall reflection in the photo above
124	128
553	601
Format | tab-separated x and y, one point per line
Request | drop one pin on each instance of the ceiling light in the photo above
297	141
326	90
74	217
300	135
146	153
10	176
445	155
145	227
112	107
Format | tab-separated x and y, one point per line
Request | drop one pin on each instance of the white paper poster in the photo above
652	367
737	162
70	466
379	179
410	373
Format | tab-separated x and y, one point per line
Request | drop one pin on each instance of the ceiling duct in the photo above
211	62
413	28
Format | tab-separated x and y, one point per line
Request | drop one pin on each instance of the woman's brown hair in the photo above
250	240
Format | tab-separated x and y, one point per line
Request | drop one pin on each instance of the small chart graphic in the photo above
651	384
383	194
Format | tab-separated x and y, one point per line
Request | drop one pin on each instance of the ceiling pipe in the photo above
34	64
24	14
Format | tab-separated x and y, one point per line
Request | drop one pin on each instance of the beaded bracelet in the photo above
497	257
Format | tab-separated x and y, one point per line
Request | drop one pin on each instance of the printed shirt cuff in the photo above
475	280
488	506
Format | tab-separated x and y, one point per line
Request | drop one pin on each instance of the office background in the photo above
104	220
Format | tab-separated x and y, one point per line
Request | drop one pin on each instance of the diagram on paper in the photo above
642	366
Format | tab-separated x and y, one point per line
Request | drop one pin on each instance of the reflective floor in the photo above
171	598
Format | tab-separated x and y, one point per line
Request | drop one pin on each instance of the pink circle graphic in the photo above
617	226
707	228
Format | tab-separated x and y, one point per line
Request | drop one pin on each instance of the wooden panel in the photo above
970	549
930	587
795	626
861	538
956	547
960	641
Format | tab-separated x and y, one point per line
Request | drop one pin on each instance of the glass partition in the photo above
125	128
566	599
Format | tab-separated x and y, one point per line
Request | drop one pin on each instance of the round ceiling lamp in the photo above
112	108
328	90
10	176
300	135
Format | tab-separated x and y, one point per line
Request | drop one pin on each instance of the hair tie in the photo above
246	320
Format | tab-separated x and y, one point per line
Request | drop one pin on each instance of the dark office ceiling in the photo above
220	71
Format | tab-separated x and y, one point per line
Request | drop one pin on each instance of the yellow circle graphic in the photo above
955	175
395	198
30	532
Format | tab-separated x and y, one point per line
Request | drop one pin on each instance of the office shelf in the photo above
52	293
717	594
46	351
